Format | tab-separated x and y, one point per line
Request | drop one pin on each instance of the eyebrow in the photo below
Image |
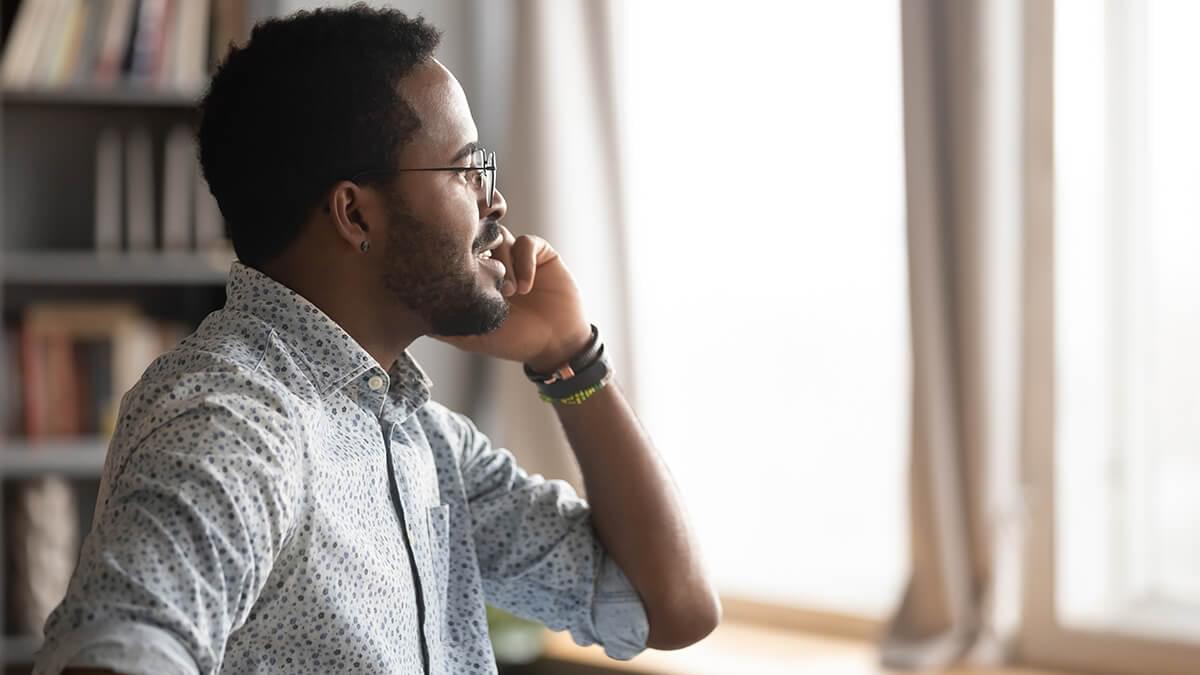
465	151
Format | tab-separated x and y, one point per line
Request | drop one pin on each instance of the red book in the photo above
33	379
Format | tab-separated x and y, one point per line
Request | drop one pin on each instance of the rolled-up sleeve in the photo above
539	556
191	521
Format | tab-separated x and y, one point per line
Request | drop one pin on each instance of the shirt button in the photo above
375	383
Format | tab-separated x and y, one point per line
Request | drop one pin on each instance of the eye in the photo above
474	176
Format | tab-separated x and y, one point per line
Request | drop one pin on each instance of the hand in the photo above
545	325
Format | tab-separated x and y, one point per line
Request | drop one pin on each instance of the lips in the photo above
487	261
485	255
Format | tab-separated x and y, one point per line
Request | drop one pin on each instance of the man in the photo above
281	495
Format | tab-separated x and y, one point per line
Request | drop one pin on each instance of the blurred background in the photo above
904	291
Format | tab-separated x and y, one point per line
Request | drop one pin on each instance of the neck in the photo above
378	327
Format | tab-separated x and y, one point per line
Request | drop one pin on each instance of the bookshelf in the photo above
66	268
105	97
81	457
51	132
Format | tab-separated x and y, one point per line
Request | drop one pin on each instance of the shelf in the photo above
18	650
117	95
90	267
76	457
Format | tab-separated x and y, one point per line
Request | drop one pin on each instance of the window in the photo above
771	321
1127	232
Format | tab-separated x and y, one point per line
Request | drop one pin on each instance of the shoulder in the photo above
231	376
450	431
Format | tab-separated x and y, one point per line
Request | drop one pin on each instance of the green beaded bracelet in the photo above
581	395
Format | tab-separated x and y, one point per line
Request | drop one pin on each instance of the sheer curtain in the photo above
967	119
546	98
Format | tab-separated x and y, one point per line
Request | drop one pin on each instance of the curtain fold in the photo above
560	174
963	121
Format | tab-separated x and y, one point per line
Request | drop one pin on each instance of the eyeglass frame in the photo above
489	164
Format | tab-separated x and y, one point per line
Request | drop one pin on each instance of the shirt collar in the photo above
333	358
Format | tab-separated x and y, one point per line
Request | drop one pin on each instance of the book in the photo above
172	33
42	533
97	393
21	49
191	49
52	42
147	40
62	411
105	347
118	29
34	399
164	44
166	40
108	191
90	42
178	164
230	27
139	190
71	43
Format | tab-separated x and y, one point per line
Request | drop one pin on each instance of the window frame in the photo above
1044	640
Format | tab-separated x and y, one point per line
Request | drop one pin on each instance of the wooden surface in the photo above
744	649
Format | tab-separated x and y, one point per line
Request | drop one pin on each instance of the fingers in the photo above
524	262
521	257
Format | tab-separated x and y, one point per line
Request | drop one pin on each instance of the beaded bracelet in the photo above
581	395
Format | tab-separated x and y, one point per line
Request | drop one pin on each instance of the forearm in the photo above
639	518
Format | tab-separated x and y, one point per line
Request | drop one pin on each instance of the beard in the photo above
429	275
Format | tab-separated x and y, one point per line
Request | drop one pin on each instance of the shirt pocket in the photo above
439	548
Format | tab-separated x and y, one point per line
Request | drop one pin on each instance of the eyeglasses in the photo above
481	174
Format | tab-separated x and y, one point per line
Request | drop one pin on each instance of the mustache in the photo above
491	230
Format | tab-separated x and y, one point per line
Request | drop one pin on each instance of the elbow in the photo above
683	624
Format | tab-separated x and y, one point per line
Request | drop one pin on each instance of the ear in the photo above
346	208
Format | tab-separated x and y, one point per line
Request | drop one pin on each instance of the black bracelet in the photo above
576	364
595	373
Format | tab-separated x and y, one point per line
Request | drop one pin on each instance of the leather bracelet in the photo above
581	395
582	386
573	366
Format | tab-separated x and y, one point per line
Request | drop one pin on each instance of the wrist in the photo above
562	351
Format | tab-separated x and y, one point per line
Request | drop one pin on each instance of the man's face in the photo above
438	221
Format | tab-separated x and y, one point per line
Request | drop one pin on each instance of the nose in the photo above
496	210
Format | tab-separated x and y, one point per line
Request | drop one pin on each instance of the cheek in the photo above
459	216
448	224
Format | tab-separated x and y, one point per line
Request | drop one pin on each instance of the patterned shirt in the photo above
273	501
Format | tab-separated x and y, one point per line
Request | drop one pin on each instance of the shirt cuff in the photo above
618	616
122	646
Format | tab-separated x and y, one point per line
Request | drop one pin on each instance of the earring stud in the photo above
364	246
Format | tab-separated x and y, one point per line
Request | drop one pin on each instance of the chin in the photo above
483	315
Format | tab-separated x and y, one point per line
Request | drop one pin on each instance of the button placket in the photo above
373	392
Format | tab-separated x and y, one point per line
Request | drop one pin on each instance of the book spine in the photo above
146	39
108	191
92	42
33	379
21	39
139	190
118	31
72	42
166	34
52	42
